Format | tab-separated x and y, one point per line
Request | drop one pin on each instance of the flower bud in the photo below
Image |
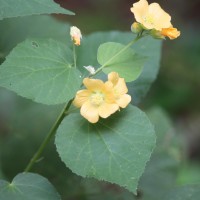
136	27
171	33
90	69
75	35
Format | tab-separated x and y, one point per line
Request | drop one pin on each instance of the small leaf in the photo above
41	70
128	64
13	8
147	47
28	186
114	149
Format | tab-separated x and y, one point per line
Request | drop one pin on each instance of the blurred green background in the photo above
175	94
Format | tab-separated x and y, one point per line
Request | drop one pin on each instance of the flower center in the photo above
97	98
149	19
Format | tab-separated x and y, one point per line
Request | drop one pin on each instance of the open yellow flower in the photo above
75	35
96	100
151	16
171	32
120	89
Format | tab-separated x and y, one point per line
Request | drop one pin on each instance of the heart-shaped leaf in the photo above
147	47
28	186
114	149
41	70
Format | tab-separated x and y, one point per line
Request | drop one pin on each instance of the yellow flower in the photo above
120	89
96	100
101	99
171	32
75	35
151	16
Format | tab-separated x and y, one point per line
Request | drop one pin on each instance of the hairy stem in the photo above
74	54
48	137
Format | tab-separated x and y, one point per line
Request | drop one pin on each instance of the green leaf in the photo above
114	149
147	47
41	70
188	192
13	8
43	26
159	176
28	186
128	64
161	172
163	126
167	140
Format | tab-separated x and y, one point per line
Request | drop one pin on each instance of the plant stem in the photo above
67	106
48	137
74	54
118	53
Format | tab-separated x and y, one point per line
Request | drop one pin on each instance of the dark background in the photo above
23	123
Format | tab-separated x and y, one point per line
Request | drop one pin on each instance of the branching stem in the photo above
67	106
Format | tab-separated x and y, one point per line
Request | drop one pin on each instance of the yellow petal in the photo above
171	32
90	112
160	17
105	110
151	16
139	10
124	100
113	77
93	84
121	87
81	97
108	86
108	92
